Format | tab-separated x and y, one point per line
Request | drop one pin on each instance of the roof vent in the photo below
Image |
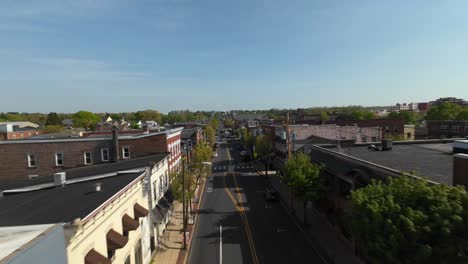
387	144
60	179
97	187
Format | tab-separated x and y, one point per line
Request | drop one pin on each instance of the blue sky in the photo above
128	55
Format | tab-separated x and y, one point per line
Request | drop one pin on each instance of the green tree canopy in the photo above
53	119
52	129
210	135
411	221
229	123
303	179
85	119
263	145
446	111
410	117
148	115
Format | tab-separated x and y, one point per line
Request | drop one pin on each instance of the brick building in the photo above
29	159
17	130
393	127
447	129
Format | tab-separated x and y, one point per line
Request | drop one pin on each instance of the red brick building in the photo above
27	159
447	129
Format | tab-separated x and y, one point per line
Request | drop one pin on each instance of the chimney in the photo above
115	144
460	170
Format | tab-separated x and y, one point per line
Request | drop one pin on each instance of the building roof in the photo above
21	124
60	204
433	161
86	171
13	238
189	132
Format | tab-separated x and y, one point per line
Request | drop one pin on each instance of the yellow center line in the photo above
241	210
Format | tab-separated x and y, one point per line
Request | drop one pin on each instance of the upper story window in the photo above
31	160
363	139
87	158
105	154
444	128
455	129
126	152
58	159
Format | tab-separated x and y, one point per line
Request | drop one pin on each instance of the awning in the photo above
93	257
115	240
139	211
169	195
129	223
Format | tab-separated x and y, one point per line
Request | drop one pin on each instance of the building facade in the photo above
447	129
30	159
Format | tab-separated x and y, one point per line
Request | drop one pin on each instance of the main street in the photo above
253	230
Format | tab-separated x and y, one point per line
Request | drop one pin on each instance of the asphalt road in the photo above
253	230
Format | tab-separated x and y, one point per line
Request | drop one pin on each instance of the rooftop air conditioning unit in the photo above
387	144
60	179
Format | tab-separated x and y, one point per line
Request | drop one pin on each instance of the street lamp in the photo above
184	205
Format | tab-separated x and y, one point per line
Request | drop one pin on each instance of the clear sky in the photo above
128	55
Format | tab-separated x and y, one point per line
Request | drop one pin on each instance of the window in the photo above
59	159
455	129
374	139
105	154
126	152
155	188
444	128
363	139
87	158
31	160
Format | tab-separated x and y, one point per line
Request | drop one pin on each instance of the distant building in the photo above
447	129
388	126
17	130
452	100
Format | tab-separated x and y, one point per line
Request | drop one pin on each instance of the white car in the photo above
215	154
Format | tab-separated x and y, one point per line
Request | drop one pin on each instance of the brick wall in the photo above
14	161
447	129
14	155
393	127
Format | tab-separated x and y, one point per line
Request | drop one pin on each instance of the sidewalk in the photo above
169	250
170	246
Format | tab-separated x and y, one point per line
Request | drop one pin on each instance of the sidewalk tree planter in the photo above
303	179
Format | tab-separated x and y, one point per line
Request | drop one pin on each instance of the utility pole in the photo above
288	136
184	220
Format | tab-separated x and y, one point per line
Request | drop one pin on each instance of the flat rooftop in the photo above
12	238
60	204
431	161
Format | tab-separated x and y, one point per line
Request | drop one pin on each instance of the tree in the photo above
303	179
85	119
463	114
229	123
445	111
214	122
52	129
411	118
210	135
149	115
264	147
409	220
53	119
